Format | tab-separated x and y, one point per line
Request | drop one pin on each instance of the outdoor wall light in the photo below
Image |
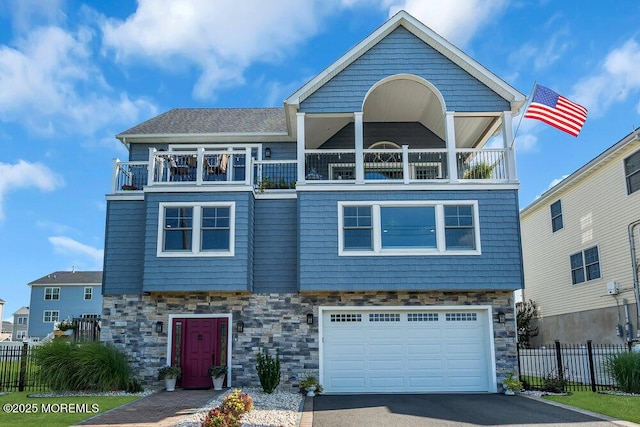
267	153
240	326
501	317
309	318
159	325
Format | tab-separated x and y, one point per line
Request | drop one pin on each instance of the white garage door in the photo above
405	351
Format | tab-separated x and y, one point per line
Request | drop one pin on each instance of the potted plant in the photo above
511	385
67	326
218	373
310	386
169	374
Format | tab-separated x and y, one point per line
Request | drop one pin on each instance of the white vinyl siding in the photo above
596	211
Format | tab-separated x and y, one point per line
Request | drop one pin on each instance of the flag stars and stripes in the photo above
556	110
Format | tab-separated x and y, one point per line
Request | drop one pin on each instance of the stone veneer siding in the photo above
274	321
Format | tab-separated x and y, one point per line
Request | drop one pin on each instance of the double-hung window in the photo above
408	228
205	229
50	316
585	265
632	172
88	293
51	294
556	216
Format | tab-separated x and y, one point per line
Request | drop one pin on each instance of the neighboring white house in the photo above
577	241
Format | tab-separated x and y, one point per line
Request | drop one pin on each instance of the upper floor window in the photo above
22	320
556	216
414	228
632	172
50	316
205	229
21	335
51	293
88	293
585	265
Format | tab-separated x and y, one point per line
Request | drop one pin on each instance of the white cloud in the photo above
26	175
49	84
615	81
220	38
556	181
456	21
68	246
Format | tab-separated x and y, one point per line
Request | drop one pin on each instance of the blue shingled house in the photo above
368	229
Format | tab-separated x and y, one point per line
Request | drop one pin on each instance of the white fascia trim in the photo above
125	196
190	136
487	309
288	195
426	34
203	316
404	187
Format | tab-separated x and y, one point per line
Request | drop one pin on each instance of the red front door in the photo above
199	343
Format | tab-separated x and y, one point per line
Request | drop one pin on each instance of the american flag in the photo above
556	110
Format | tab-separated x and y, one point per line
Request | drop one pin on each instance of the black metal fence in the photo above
18	371
566	367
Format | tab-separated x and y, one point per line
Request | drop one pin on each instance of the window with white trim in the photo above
21	334
88	293
89	316
21	320
205	229
51	294
50	316
585	265
632	172
408	227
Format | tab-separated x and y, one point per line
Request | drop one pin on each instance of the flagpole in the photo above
524	110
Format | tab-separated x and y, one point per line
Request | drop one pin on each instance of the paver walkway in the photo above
158	409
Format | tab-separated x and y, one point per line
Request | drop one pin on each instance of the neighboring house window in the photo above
401	228
21	334
22	320
632	172
585	265
556	216
50	316
88	293
205	229
51	293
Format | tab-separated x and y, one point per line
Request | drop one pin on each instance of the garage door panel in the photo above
419	350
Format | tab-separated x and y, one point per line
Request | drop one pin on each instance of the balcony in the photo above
216	168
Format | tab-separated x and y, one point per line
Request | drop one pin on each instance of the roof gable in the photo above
424	33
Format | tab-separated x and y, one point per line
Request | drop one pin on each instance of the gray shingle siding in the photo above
403	53
499	266
124	247
275	246
199	273
415	135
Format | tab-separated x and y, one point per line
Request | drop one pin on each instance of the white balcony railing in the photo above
237	165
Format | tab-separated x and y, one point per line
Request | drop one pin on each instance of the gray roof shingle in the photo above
63	277
213	120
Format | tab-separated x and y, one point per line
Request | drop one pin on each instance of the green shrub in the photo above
91	366
230	412
554	383
268	371
625	368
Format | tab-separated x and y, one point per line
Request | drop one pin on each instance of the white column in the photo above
152	166
359	142
199	165
405	163
509	148
114	179
300	140
248	166
450	134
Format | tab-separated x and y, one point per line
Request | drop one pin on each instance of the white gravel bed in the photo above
278	409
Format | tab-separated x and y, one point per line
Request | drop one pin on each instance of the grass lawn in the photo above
621	407
54	411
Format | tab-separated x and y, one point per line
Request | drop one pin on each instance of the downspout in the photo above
634	263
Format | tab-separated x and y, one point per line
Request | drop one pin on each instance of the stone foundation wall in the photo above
273	321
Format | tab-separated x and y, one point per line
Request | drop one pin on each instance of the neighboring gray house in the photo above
7	331
364	229
62	295
20	324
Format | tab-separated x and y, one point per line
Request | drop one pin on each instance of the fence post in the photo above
23	366
559	361
592	371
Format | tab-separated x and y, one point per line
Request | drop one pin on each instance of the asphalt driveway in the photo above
403	410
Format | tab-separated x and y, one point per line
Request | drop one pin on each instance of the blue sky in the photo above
73	74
